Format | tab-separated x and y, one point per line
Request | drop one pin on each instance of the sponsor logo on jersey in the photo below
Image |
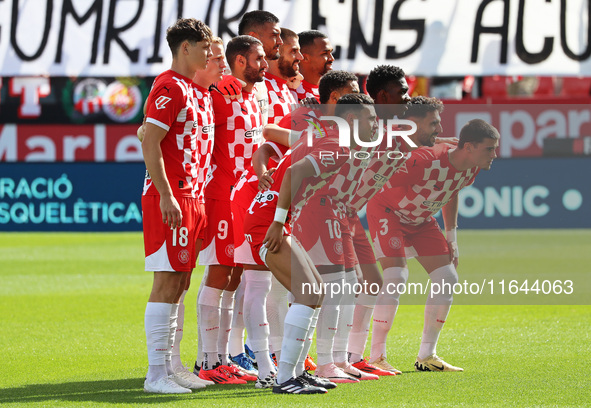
379	178
229	251
434	205
206	129
266	196
254	133
184	256
162	101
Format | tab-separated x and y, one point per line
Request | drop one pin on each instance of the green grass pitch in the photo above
71	330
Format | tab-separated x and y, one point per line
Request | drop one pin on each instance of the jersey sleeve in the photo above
412	171
279	149
164	104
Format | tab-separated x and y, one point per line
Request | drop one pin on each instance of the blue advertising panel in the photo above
515	193
529	193
71	196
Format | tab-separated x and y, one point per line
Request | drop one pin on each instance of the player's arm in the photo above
169	207
292	180
260	160
277	134
450	221
449	140
281	135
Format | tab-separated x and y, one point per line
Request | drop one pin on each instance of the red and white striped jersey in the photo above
264	203
247	185
424	184
171	106
281	99
205	132
343	185
307	90
325	164
384	163
326	156
238	133
260	91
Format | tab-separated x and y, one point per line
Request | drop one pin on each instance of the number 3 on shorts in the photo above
183	236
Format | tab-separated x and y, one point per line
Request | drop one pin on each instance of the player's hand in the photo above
449	140
171	211
266	180
274	237
229	86
295	82
309	102
454	252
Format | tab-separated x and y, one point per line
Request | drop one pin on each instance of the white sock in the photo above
301	365
176	362
437	308
277	306
257	287
209	324
157	326
236	343
226	311
361	322
297	323
174	315
329	316
385	310
199	359
345	323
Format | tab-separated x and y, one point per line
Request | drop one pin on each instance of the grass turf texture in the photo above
72	331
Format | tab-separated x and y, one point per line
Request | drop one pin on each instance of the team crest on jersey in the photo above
229	251
338	248
184	256
395	243
162	101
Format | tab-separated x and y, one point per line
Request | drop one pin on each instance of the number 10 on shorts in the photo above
182	238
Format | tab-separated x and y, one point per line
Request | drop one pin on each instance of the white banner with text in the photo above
424	37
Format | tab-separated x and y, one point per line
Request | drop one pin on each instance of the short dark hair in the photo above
352	103
241	45
332	81
380	77
286	34
308	37
420	106
253	19
475	131
187	29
